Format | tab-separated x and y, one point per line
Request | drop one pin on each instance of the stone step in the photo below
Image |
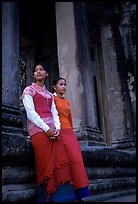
100	189
18	192
18	174
111	184
110	172
124	198
103	197
108	157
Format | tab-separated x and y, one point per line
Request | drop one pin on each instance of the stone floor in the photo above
129	198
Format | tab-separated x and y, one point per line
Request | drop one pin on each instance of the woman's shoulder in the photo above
29	87
64	99
29	90
49	93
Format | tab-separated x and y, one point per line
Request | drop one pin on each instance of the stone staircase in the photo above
111	172
18	177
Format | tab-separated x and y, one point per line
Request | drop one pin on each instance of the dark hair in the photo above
45	66
55	81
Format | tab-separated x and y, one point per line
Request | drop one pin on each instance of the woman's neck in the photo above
40	83
60	95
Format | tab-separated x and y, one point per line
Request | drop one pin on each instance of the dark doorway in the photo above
38	42
37	25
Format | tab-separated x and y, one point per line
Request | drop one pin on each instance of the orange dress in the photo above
72	147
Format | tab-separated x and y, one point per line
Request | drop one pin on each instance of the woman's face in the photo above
60	87
40	73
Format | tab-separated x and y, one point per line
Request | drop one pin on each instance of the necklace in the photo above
47	100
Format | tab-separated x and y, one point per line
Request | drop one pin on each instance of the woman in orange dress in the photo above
79	177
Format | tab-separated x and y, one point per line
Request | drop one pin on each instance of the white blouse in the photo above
35	118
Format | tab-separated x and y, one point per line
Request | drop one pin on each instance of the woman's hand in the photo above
56	135
53	134
57	132
50	133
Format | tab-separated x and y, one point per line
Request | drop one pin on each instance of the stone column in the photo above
75	66
17	161
68	68
10	65
10	55
116	103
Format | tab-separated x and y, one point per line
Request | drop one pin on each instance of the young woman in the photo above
52	164
79	176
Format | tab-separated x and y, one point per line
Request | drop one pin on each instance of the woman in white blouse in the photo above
51	162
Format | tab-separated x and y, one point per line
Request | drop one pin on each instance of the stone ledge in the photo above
110	195
18	193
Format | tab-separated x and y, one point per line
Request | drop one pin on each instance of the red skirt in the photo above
58	161
51	162
72	147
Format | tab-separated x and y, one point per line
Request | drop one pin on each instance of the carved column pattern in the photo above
22	85
22	73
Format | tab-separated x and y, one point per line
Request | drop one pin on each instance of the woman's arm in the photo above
32	114
55	115
70	116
